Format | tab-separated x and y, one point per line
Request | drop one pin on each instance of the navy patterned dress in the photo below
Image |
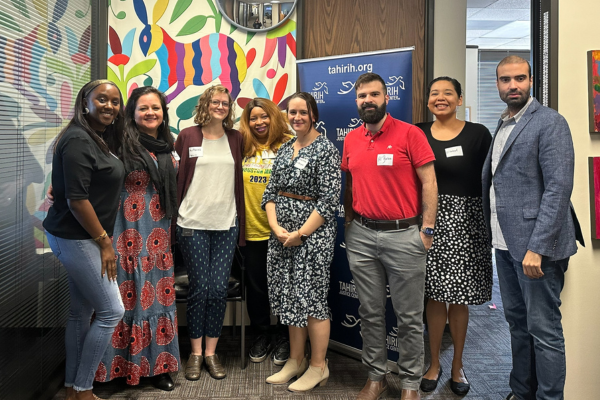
298	277
145	342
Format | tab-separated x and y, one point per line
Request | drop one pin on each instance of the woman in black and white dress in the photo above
459	264
301	199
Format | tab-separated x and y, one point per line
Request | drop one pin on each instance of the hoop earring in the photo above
86	110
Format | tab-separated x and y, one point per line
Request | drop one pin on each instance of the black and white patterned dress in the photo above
459	264
298	277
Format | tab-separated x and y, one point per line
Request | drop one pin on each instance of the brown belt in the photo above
389	225
295	196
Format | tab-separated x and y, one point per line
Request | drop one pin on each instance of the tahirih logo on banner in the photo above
319	91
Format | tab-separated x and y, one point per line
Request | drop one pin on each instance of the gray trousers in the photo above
398	258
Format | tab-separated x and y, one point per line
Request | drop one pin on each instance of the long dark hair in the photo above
112	138
131	135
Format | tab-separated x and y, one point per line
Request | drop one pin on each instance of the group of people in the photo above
418	217
424	207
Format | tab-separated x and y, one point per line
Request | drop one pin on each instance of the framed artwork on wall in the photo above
594	90
594	166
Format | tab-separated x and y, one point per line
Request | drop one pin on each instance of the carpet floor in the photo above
487	362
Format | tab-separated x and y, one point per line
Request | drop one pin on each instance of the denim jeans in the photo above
86	343
532	310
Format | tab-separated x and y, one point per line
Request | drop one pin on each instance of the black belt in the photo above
388	225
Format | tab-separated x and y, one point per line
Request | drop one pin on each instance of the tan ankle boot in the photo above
289	370
312	377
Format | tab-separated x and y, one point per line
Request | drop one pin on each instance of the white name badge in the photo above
385	159
267	154
455	151
175	155
301	163
196	152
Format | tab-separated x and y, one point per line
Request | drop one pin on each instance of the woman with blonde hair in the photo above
211	219
265	129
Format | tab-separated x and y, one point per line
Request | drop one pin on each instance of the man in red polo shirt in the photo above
390	205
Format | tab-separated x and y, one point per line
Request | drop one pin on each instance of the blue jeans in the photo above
86	343
532	310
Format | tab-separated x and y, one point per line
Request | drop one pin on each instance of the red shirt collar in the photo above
386	125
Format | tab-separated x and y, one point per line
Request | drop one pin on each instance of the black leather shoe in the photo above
260	348
460	388
429	385
282	351
163	382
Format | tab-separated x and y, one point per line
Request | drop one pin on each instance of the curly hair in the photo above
112	138
279	131
202	116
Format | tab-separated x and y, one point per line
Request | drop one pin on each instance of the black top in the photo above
80	170
458	162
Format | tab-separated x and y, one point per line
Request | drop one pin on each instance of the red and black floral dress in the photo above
145	342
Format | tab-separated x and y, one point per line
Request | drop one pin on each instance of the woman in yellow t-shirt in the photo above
265	129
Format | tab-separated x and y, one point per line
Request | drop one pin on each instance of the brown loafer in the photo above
215	369
410	395
372	390
192	368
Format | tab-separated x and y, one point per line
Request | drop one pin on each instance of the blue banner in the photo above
331	82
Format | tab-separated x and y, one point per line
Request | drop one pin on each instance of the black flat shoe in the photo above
460	388
429	385
163	382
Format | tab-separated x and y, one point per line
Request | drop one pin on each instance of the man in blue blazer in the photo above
527	184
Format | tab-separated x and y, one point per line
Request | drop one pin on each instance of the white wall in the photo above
470	98
578	33
449	38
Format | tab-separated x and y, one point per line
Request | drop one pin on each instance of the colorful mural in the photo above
184	46
44	60
594	67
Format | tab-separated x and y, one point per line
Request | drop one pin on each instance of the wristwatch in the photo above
427	231
303	238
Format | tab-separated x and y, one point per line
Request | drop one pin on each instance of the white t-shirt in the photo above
209	203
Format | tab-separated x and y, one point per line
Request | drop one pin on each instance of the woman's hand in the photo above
107	254
281	233
293	240
49	196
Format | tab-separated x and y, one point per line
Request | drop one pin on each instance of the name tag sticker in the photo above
385	159
455	151
175	155
267	154
196	152
301	163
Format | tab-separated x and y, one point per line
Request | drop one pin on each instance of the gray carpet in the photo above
487	363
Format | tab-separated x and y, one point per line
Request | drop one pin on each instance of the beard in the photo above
372	116
515	103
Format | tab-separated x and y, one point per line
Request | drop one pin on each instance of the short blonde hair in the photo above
202	116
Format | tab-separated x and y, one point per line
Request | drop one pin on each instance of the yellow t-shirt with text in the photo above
257	171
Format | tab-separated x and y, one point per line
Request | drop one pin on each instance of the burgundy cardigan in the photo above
192	137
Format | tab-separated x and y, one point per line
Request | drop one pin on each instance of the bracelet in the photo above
101	237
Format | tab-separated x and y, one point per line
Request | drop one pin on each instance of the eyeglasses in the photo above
216	103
